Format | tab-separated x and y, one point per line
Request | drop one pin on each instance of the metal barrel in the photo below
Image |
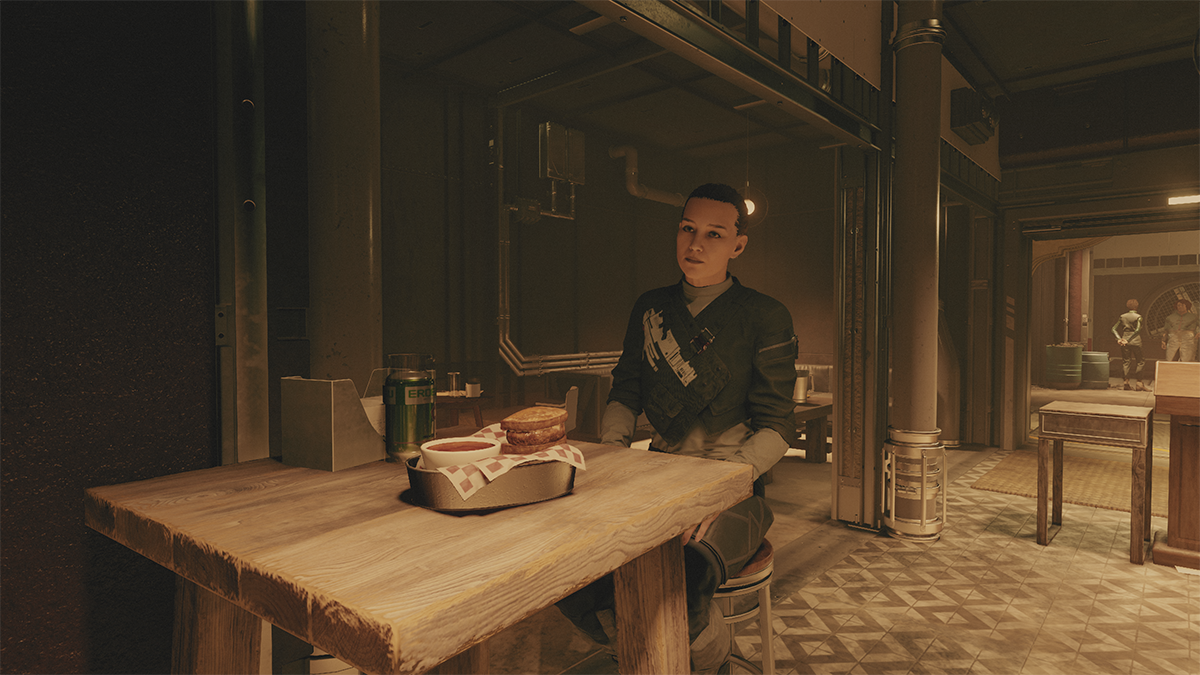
1094	371
1063	366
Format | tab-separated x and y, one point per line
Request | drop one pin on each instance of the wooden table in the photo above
815	416
342	561
1115	425
448	407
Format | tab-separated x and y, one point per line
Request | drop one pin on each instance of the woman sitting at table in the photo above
712	364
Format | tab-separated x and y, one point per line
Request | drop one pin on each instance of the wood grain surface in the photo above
200	614
651	610
342	561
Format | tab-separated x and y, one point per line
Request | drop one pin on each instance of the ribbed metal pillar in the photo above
345	322
914	439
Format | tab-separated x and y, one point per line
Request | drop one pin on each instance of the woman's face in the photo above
1181	308
707	240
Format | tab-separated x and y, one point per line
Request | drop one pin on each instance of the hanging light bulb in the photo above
756	204
756	201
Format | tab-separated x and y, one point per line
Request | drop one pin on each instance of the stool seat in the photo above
753	578
761	558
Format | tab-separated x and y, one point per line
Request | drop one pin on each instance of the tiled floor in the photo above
986	598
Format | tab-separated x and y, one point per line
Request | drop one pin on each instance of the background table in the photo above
815	416
1123	426
447	409
341	561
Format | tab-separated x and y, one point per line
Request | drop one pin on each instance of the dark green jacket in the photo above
671	369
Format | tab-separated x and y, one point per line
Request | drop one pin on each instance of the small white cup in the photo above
433	459
473	389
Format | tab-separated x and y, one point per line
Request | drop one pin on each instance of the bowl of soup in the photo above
442	452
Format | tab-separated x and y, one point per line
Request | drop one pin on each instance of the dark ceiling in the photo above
1008	46
568	61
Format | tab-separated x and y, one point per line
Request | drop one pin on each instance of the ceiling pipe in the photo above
631	178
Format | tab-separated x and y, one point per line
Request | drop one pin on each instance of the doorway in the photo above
1080	289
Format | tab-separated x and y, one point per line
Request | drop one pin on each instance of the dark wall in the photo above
107	276
572	281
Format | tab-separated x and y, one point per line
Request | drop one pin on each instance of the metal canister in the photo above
409	397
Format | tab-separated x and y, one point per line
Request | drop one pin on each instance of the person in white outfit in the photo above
1179	332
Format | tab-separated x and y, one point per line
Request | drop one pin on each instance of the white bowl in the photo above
433	458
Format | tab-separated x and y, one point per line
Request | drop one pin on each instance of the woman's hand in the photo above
698	531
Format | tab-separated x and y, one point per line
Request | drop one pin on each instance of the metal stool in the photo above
754	577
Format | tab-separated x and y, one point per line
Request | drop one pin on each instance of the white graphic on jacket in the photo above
662	344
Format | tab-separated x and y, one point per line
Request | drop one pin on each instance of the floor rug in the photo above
1099	483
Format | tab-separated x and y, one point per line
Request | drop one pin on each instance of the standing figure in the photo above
1128	331
712	365
1179	332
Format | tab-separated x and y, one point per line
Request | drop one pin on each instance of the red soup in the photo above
460	446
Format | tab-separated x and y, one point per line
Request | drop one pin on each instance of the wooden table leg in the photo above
1137	508
478	416
1056	513
474	660
815	446
651	609
1043	490
213	635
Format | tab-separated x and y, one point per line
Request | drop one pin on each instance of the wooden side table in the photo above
1122	426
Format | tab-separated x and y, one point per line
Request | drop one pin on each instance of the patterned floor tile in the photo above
987	599
997	665
1153	662
1103	663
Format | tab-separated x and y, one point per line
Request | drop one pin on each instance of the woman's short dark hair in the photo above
720	192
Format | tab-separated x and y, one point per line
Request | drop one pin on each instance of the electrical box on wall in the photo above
971	116
561	153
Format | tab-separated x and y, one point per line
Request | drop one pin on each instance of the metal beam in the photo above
678	28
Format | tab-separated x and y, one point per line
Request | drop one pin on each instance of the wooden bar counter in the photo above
1177	393
342	561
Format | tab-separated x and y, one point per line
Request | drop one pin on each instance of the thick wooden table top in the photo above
338	559
1120	425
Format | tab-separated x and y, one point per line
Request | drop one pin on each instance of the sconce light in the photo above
1189	199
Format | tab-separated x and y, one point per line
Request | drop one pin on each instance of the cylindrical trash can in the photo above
914	496
1094	371
1063	366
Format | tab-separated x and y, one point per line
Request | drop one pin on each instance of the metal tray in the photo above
524	484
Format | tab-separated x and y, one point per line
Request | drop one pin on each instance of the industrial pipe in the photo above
631	178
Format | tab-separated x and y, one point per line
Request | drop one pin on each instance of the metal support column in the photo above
913	433
346	315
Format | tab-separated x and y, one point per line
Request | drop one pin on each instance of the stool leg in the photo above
766	630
